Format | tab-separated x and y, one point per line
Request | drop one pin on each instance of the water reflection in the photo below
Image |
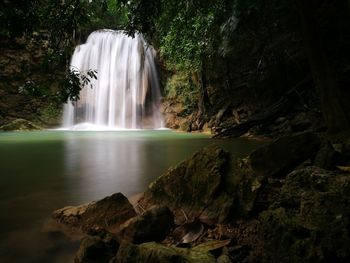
101	165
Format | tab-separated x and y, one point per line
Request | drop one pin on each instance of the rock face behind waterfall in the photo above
126	93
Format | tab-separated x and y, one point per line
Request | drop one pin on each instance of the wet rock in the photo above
224	259
211	185
280	120
185	125
20	125
189	233
326	156
309	221
206	128
284	154
157	253
343	149
108	213
97	249
212	245
152	225
300	122
245	186
192	188
220	114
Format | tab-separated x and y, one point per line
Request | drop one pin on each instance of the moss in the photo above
50	114
309	221
20	125
181	88
154	252
192	189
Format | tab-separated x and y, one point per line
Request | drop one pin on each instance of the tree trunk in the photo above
203	100
334	112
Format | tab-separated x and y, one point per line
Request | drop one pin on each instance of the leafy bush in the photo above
182	88
74	82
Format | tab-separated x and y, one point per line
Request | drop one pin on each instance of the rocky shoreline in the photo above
287	201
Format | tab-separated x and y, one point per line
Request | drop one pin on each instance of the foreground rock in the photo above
99	248
231	210
103	247
152	225
212	184
283	155
108	213
192	189
20	125
157	253
309	221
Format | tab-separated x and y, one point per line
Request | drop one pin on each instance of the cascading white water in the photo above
126	94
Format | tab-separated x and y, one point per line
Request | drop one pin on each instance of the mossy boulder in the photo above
157	253
309	221
153	225
284	154
326	157
212	184
193	188
20	125
108	213
97	249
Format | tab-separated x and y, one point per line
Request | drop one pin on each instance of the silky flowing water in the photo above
44	171
126	93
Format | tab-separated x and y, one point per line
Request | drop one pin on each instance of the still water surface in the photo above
44	171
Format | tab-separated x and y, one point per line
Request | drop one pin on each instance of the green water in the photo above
43	171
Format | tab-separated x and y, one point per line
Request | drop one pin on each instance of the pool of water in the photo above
47	170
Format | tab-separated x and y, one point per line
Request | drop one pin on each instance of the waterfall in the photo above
126	94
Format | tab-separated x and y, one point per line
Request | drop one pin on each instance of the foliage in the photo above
70	87
181	87
109	14
247	6
61	24
74	82
67	21
61	19
15	15
186	32
30	88
187	42
141	16
187	35
50	113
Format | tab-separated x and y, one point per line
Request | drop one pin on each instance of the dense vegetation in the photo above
194	35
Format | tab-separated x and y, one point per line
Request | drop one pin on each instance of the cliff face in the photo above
25	68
